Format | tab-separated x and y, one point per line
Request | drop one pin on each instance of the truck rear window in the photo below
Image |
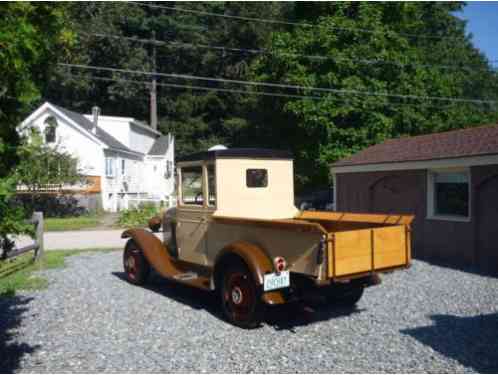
256	178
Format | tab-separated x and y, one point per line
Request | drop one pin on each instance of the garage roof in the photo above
476	141
257	153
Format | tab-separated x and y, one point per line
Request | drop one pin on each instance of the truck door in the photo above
192	214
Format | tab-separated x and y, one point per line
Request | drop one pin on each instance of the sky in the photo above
482	22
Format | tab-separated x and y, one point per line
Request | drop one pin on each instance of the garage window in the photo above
449	194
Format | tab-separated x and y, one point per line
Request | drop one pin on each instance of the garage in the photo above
449	181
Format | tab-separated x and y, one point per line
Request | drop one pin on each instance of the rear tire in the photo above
136	267
240	296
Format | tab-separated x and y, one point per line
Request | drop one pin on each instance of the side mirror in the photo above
155	224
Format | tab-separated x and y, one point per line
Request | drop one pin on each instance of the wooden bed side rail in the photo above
285	224
355	217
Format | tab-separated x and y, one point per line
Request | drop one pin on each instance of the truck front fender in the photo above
154	251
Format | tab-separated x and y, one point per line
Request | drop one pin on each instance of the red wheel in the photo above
135	265
240	297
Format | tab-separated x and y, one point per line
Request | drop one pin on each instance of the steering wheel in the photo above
198	198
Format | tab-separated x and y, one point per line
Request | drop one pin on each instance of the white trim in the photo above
131	152
47	106
431	215
464	162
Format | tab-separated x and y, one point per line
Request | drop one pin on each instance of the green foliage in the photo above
12	218
317	131
323	131
41	165
137	216
32	37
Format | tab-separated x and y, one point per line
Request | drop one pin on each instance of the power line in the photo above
174	85
281	85
237	91
175	44
287	23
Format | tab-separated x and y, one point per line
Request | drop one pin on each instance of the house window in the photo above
109	167
256	178
192	185
50	128
449	193
123	166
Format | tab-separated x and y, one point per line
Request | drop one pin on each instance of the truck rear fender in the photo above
256	260
253	256
154	251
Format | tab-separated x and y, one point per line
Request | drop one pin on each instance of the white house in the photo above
124	158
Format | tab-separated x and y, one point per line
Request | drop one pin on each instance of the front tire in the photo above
136	267
240	297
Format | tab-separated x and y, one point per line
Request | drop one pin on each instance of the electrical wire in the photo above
261	93
175	44
281	85
286	23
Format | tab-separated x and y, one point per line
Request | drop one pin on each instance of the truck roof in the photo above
251	153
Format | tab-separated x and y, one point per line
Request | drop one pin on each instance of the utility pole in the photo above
153	86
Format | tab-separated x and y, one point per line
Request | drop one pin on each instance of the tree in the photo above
390	58
32	37
43	166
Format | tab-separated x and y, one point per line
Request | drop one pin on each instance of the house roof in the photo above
475	141
259	153
160	146
101	134
144	126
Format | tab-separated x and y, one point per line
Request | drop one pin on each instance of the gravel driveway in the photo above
425	319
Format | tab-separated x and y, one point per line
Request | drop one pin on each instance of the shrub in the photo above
138	216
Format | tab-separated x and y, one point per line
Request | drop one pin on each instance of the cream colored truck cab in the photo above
236	231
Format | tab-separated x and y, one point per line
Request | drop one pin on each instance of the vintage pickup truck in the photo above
236	231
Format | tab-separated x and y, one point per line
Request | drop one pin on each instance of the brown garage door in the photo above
487	226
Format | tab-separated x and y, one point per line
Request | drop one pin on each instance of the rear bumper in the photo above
304	288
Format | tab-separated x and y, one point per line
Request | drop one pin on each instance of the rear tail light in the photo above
280	264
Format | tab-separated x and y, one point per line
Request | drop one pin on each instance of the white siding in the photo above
76	142
139	179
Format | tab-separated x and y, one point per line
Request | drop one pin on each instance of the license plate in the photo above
274	281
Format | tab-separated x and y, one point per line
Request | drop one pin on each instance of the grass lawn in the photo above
17	274
71	223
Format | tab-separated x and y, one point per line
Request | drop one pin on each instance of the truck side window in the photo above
211	185
256	178
192	185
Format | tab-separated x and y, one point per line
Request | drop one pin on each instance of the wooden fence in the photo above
36	246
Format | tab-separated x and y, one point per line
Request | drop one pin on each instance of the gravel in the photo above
425	319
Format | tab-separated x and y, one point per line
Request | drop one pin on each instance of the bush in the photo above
138	216
57	205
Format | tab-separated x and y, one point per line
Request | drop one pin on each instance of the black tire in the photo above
345	295
240	296
135	265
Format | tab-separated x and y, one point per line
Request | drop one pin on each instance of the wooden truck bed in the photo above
362	243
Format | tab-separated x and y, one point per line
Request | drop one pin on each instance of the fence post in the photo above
38	220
